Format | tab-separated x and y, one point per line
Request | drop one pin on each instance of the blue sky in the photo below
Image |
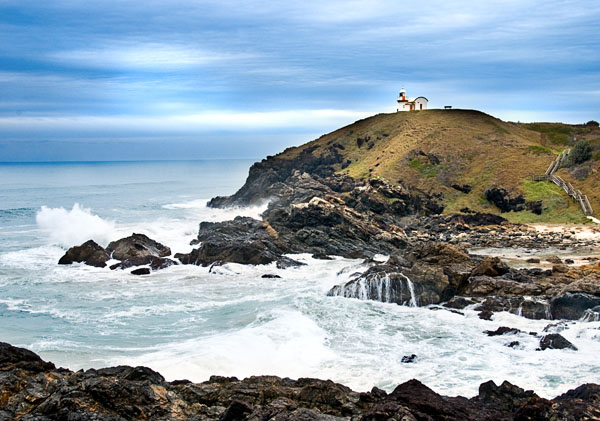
228	79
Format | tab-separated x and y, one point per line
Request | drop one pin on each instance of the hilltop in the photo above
450	156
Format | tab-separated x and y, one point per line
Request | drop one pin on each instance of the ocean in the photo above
187	322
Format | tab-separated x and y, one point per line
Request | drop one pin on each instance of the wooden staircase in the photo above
579	197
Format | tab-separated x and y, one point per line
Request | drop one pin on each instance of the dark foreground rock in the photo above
31	389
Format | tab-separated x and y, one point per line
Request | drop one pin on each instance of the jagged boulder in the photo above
136	245
555	341
90	253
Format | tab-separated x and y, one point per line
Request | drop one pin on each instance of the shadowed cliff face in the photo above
31	389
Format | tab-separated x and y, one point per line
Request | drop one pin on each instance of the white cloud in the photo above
145	56
186	123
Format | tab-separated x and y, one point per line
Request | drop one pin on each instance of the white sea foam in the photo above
73	227
288	342
201	210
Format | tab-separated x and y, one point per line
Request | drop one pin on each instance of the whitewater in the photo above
193	322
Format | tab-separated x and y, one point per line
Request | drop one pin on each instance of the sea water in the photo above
189	322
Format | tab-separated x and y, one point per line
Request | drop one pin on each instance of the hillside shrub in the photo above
593	123
597	156
581	152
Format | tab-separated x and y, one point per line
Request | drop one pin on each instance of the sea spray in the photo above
73	227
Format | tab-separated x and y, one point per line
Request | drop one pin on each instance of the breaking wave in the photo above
70	227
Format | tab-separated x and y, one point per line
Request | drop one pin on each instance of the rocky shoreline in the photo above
35	390
327	214
442	261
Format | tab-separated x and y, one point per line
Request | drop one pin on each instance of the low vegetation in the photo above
557	206
539	150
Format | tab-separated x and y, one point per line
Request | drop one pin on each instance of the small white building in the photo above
411	104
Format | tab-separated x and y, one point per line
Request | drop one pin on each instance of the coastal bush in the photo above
597	155
581	152
592	123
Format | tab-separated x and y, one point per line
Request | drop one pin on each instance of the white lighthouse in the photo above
411	104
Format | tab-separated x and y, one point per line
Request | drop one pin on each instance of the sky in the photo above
194	79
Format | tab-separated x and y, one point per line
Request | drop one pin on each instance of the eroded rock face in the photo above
320	226
89	253
33	389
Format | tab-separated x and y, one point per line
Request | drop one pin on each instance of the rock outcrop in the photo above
89	253
136	245
32	389
440	273
135	250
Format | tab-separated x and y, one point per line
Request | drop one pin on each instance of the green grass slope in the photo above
433	150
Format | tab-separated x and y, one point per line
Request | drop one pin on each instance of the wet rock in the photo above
270	276
572	305
533	260
503	330
252	253
90	253
380	283
554	259
513	344
485	314
136	245
529	308
141	271
409	358
155	263
555	341
459	302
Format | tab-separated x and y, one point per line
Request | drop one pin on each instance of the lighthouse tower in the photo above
402	100
411	104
